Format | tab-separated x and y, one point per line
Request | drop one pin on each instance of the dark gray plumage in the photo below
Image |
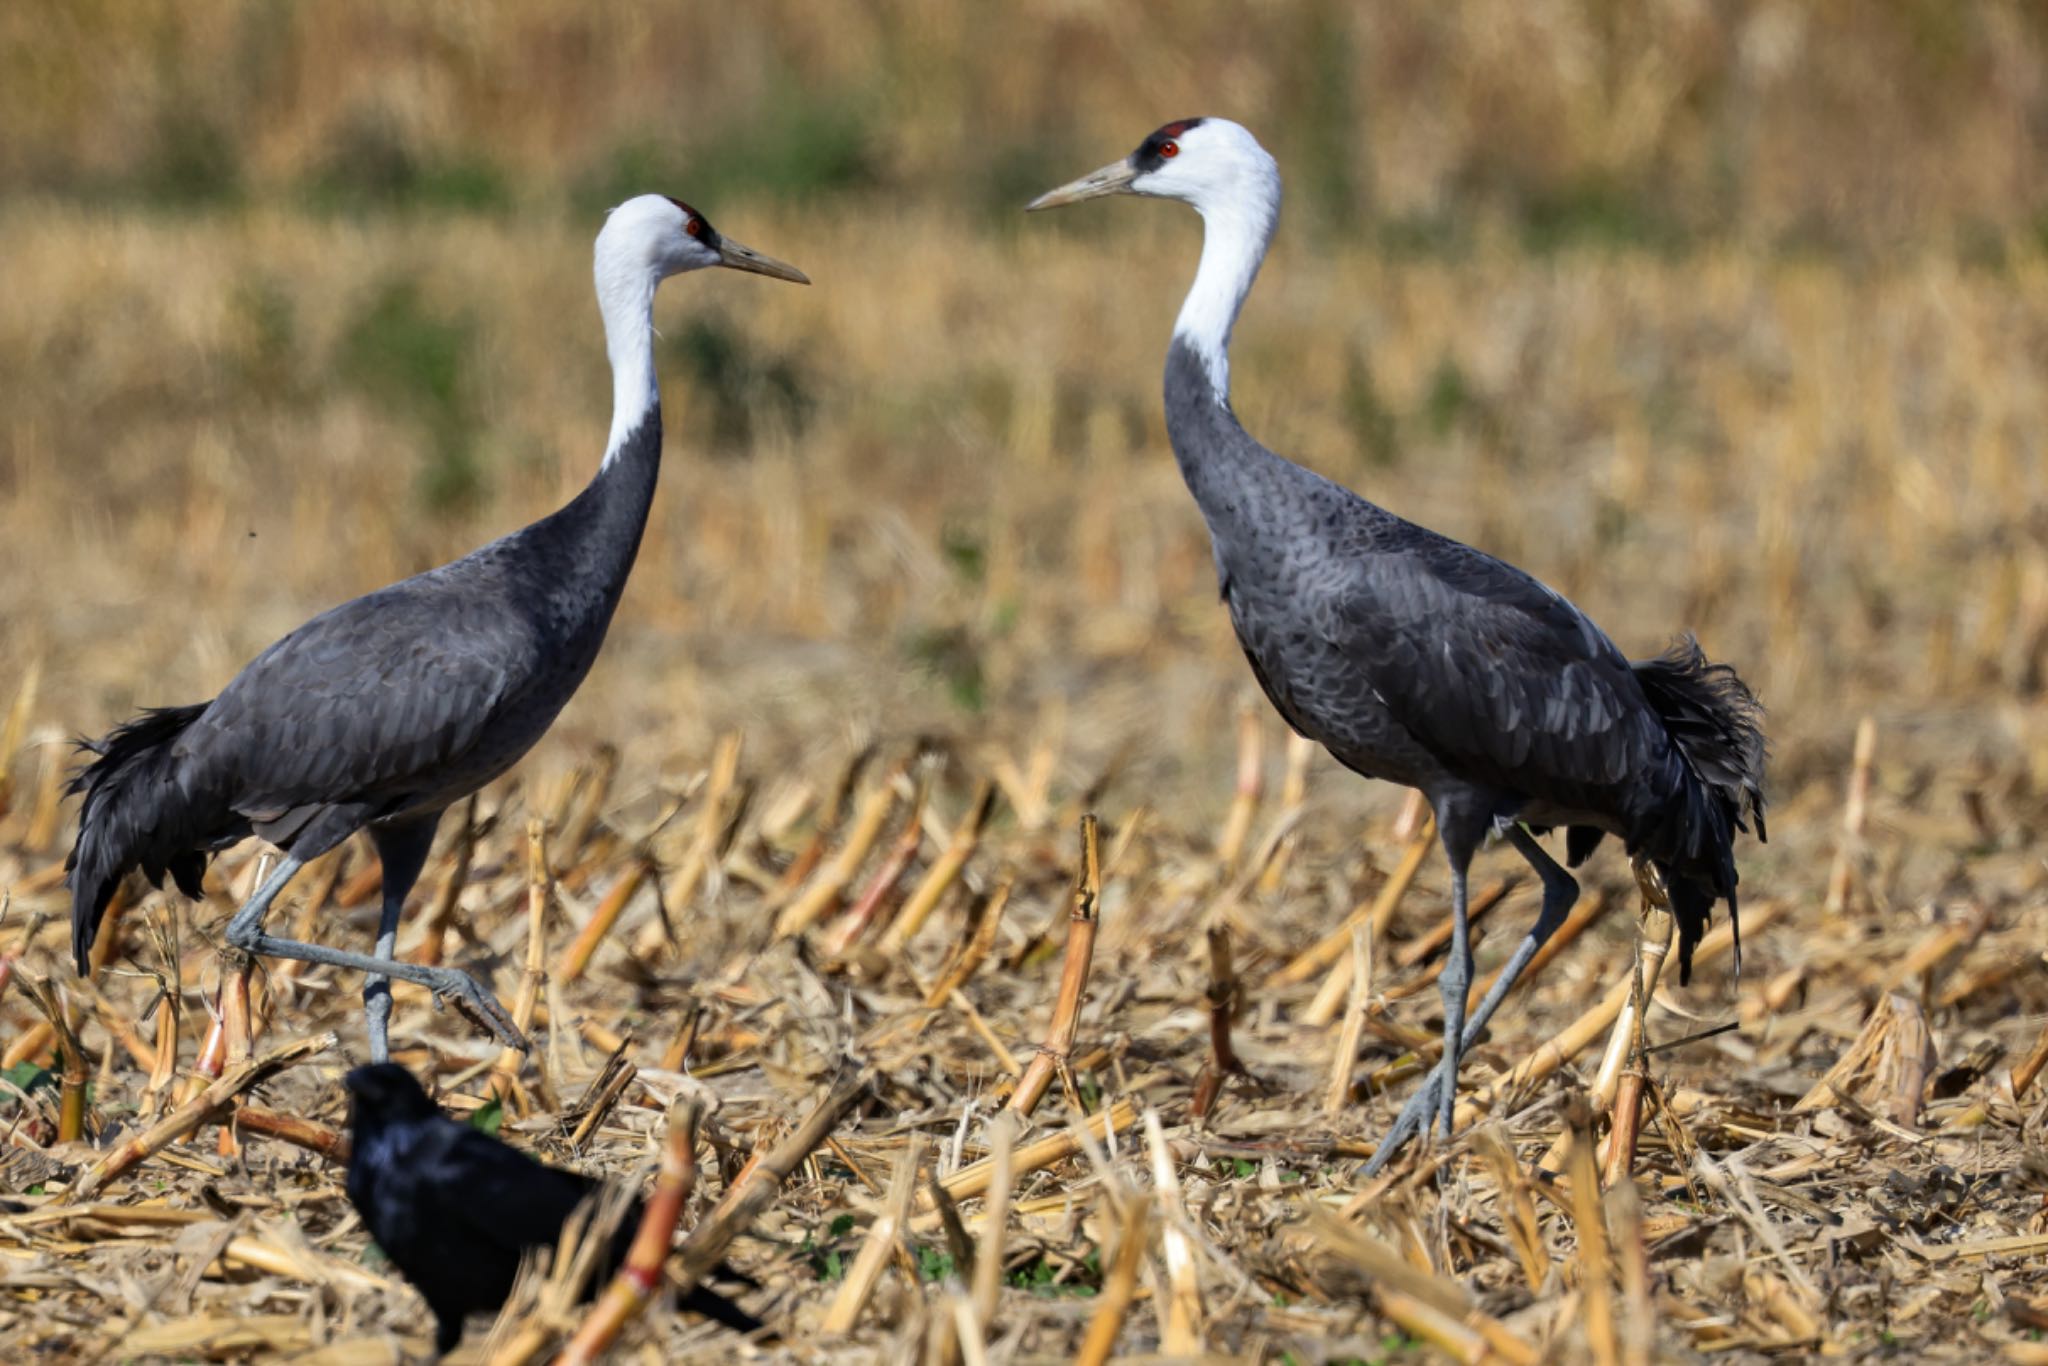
378	714
1417	659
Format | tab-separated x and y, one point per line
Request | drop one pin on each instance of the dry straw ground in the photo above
1728	319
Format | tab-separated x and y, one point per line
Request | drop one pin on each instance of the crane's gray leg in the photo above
250	917
1560	893
402	850
245	932
1454	982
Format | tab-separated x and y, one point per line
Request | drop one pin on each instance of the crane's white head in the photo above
660	237
644	241
1213	164
1219	168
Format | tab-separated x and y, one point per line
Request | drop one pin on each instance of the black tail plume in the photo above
1692	904
1717	724
135	815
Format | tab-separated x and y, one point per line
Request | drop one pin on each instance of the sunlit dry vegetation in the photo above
1723	318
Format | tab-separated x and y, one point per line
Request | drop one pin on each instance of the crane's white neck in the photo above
1234	237
625	295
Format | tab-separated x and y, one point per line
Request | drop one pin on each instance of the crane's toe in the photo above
1422	1110
482	1009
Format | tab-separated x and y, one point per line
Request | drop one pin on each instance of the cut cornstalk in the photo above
943	873
704	844
331	1144
754	1189
2023	1075
1338	1096
539	884
976	1177
593	789
1516	1205
1293	801
1639	1317
196	1112
1224	994
169	1013
73	1073
1590	1219
434	925
1082	920
15	727
1119	1287
1855	803
1181	1324
829	815
1244	800
48	810
1430	1306
822	895
604	1093
1618	1086
975	951
636	1281
851	925
584	947
988	1256
879	1244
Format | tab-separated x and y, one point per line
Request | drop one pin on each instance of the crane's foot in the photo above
479	1007
449	985
1431	1101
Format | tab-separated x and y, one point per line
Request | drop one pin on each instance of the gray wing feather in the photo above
1492	672
365	703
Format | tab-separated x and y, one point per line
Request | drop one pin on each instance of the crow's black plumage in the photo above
455	1209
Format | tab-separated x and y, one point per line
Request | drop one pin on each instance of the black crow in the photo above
454	1208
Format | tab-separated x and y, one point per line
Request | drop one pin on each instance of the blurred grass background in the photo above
1729	317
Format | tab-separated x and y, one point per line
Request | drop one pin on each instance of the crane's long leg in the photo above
245	932
402	850
1455	980
1560	892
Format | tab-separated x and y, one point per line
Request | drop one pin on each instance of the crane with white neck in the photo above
1416	659
378	714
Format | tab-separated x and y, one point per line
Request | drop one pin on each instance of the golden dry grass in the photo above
965	539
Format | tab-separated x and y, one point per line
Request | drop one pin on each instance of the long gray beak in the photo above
731	253
1114	178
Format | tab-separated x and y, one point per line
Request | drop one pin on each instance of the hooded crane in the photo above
1416	659
378	714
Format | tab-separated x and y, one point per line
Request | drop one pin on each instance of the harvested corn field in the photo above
919	892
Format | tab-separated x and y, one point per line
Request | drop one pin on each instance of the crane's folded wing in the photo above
1492	671
362	703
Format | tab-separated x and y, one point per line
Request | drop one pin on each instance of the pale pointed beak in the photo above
1114	178
737	257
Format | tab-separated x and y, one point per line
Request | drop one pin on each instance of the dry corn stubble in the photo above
1829	469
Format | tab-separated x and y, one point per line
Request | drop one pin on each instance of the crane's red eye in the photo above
696	227
1169	148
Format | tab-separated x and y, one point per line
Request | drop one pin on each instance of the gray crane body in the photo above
379	713
392	706
1417	659
1414	658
